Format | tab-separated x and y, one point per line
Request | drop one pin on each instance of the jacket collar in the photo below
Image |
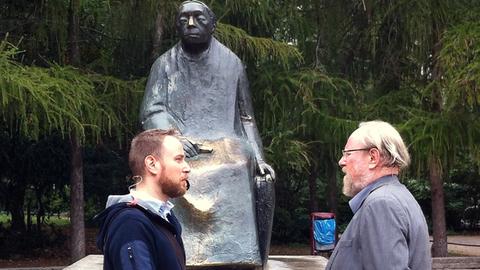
357	201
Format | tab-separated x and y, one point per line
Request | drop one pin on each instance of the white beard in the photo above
348	186
351	187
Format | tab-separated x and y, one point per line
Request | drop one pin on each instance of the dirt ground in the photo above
60	257
464	249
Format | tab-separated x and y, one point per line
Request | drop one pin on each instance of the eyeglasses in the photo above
345	152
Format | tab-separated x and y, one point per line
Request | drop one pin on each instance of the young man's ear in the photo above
152	164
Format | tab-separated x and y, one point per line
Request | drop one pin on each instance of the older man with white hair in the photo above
388	229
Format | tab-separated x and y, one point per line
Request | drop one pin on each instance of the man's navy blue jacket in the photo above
132	237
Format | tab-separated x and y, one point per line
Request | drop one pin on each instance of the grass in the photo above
4	218
62	220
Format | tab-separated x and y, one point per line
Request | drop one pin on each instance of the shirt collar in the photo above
155	205
357	200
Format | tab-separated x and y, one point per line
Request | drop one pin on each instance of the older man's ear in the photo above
375	157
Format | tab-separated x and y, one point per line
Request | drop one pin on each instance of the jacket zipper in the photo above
130	256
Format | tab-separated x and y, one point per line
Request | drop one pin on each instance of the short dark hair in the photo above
148	142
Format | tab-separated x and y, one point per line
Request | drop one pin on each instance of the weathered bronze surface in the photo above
200	88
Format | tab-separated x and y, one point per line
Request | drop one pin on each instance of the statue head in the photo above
195	24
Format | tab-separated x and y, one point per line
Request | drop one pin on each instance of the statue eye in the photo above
202	19
183	20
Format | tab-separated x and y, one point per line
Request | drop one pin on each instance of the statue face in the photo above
194	24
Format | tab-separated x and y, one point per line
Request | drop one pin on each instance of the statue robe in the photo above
205	98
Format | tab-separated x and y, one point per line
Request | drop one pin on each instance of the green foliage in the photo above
250	13
299	115
458	196
257	48
4	218
38	101
60	221
35	244
305	101
288	153
292	227
460	57
106	172
442	136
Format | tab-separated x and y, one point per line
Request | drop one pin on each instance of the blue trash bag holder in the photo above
324	233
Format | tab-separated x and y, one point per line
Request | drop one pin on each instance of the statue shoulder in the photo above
169	56
225	52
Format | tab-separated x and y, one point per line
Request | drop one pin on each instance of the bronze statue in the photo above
200	88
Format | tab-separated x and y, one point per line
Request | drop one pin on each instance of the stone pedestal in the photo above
95	262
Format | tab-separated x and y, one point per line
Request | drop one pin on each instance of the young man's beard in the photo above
174	189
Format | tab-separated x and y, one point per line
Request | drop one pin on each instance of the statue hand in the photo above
191	148
264	168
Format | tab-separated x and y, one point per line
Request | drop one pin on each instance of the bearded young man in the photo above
388	229
139	230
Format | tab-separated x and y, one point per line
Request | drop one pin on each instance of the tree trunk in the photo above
29	216
319	46
439	247
74	33
312	185
40	209
16	207
332	188
77	225
157	34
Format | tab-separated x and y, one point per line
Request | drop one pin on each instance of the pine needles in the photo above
262	49
37	101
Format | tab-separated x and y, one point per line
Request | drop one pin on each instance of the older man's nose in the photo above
341	162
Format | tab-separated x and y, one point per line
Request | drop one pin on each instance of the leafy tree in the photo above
316	68
38	101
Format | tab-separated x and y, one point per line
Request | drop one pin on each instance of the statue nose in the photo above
190	21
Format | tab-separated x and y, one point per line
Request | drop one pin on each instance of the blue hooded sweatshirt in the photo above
132	237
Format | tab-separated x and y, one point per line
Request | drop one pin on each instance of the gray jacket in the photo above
388	231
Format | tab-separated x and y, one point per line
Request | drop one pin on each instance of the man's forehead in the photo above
353	139
171	140
192	7
172	145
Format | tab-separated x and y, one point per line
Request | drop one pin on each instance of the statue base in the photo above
275	262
